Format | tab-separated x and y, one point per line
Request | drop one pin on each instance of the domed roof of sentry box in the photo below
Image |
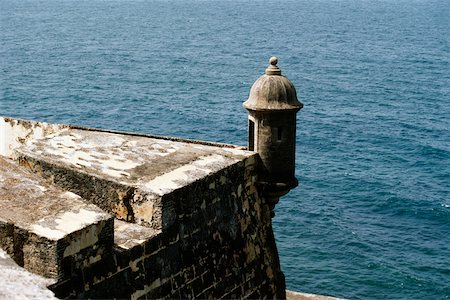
272	91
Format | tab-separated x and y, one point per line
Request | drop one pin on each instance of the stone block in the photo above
49	224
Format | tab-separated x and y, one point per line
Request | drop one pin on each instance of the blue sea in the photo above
371	216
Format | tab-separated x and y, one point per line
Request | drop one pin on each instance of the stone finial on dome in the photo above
273	69
273	91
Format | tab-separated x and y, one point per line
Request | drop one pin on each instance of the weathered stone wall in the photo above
205	232
220	246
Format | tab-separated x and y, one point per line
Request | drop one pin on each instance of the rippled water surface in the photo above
371	217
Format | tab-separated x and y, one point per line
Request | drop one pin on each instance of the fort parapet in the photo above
106	214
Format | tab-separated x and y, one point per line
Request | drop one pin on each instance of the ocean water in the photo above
371	217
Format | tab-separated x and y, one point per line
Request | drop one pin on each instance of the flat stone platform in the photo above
155	165
126	175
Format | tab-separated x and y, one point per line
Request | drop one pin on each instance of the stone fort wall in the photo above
198	229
